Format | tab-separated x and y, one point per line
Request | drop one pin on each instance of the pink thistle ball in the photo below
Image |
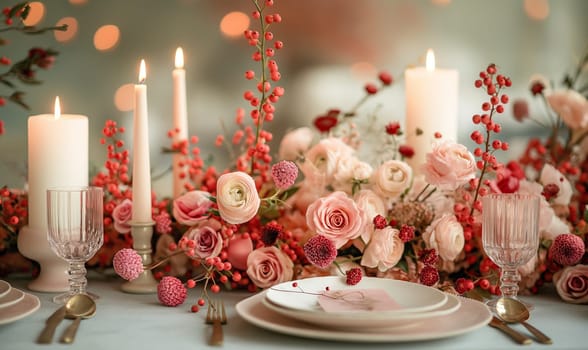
171	291
320	251
284	174
567	249
127	264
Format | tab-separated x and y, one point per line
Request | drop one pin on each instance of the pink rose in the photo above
238	251
122	215
192	207
571	284
371	205
208	239
237	197
384	250
392	178
449	165
295	143
336	217
571	106
445	235
269	266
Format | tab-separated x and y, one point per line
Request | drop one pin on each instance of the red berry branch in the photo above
493	83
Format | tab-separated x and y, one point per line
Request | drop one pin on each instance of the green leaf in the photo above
7	83
16	97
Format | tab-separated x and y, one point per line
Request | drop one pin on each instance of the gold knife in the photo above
516	336
46	336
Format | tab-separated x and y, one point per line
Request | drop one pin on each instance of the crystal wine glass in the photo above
510	235
75	231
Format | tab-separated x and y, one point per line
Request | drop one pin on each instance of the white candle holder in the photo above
53	275
145	283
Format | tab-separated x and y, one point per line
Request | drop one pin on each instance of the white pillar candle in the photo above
57	156
141	212
180	121
431	106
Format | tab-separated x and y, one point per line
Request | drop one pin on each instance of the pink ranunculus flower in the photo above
549	224
445	235
208	239
571	283
121	215
392	178
571	106
449	165
336	217
550	175
295	143
237	197
269	266
384	250
192	207
238	251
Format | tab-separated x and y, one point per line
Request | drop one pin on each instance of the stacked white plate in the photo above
15	304
423	313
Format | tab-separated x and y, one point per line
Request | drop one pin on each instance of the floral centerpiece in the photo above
321	208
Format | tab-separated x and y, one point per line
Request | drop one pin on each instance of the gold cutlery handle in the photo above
541	337
516	336
217	333
46	335
69	334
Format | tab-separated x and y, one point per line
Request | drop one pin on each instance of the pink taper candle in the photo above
180	121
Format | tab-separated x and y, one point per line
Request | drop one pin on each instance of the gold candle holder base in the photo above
145	283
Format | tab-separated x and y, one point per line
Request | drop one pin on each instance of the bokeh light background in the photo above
332	48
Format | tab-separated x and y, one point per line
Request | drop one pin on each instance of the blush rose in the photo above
392	178
336	217
192	207
445	235
269	266
449	165
384	250
122	215
571	284
208	239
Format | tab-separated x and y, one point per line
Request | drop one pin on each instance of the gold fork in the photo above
216	316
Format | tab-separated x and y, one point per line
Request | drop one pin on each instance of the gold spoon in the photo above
79	306
512	311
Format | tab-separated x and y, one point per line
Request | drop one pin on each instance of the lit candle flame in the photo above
179	58
142	72
57	113
430	60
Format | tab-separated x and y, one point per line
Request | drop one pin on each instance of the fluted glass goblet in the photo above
510	236
75	231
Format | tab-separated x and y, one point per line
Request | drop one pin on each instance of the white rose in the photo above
320	162
445	235
550	175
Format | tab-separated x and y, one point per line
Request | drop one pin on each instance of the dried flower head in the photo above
271	232
353	276
567	249
320	251
284	174
171	291
429	276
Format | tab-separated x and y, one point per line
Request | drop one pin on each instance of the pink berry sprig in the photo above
492	83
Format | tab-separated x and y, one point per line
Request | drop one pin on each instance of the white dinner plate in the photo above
412	297
4	288
471	315
11	298
377	320
23	308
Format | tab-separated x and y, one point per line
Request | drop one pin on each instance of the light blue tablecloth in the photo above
129	321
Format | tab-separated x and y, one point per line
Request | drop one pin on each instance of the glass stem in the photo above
509	282
77	277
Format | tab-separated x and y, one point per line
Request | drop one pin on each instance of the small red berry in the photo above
215	288
201	302
278	45
371	89
194	308
385	78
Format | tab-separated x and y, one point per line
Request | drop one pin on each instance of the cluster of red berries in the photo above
13	211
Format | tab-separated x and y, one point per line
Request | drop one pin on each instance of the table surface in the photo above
133	321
